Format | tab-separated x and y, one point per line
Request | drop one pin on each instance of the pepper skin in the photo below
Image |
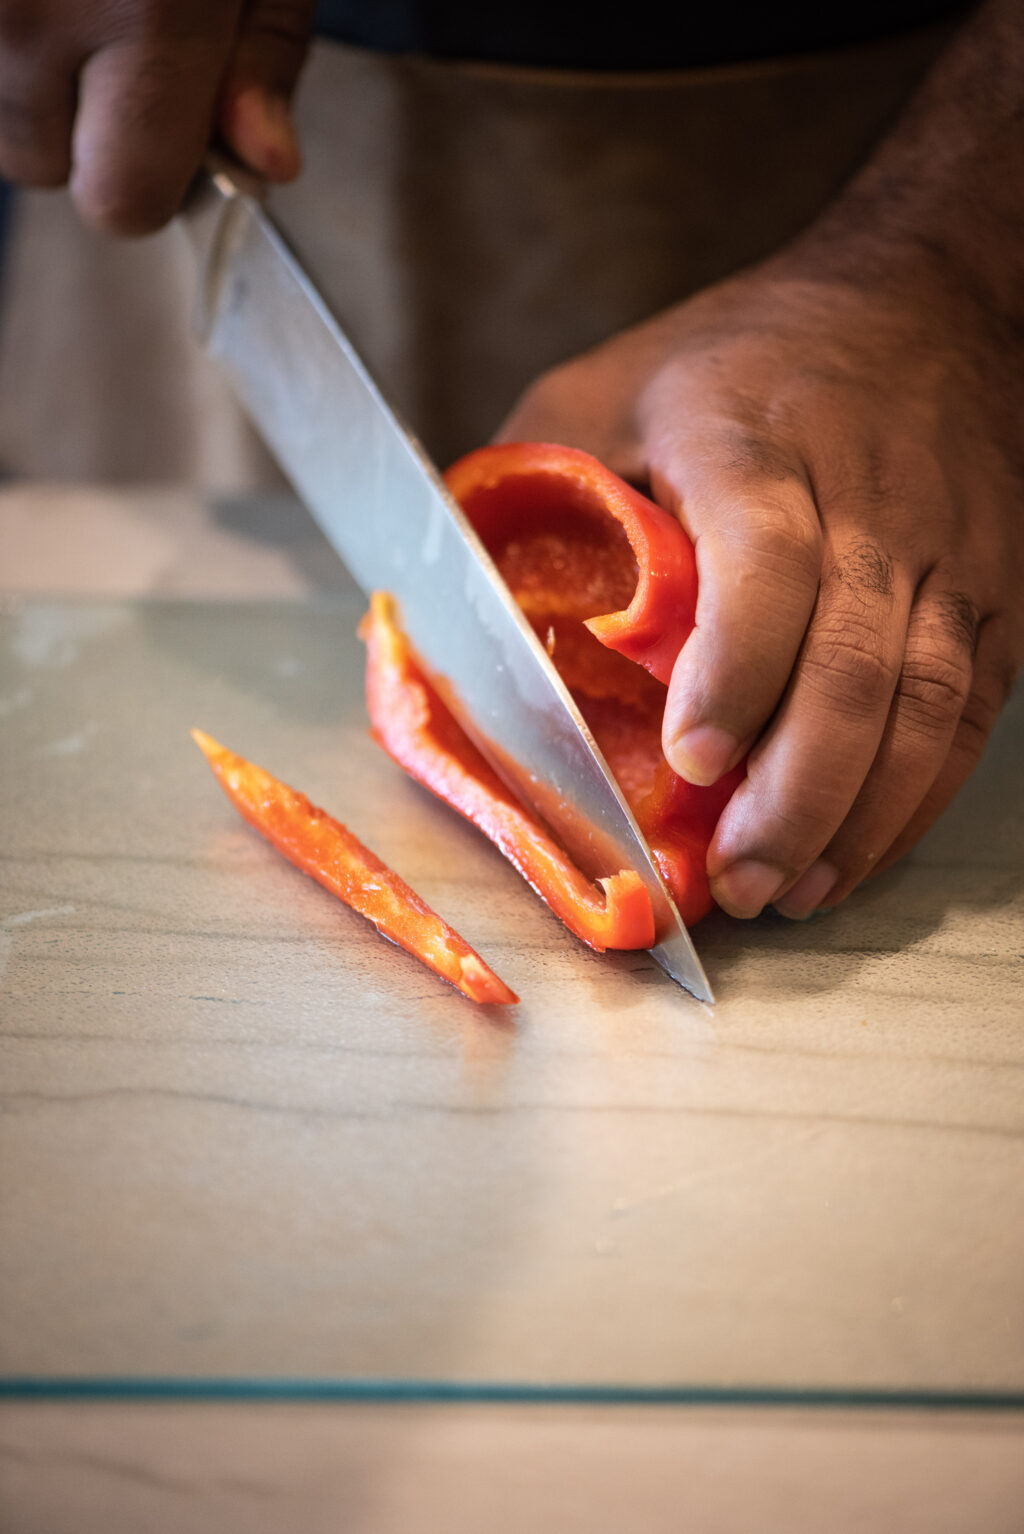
546	512
325	849
416	729
609	582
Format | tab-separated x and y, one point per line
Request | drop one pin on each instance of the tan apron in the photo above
471	224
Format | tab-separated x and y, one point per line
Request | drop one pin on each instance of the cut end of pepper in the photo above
483	985
229	768
630	914
210	748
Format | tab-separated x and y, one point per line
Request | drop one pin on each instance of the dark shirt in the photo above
636	36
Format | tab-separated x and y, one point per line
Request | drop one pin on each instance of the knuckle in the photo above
933	690
1004	680
845	664
864	485
799	824
756	458
159	88
18	121
864	568
115	207
548	392
34	150
24	122
984	703
960	620
937	676
782	543
974	727
158	20
43	171
547	410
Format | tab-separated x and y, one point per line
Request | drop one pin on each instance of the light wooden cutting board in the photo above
243	1136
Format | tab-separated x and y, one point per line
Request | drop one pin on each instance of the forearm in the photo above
942	199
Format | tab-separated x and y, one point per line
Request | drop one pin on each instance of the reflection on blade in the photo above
389	516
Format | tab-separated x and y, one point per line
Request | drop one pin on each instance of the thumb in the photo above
254	117
589	403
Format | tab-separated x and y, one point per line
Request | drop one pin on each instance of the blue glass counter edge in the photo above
227	1388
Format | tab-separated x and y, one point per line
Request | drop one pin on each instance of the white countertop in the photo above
818	1184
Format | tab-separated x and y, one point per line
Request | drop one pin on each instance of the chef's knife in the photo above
386	511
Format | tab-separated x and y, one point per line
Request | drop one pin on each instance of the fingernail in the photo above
744	889
808	892
262	133
702	754
281	150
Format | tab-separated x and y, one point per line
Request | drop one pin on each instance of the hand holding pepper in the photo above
839	432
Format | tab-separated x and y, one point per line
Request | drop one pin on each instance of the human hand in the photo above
846	457
121	97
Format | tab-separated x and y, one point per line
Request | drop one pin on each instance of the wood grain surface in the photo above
243	1136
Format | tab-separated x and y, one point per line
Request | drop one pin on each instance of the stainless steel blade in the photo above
385	510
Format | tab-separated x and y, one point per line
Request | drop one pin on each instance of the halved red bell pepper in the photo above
325	849
608	580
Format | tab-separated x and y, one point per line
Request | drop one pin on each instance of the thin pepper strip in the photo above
326	850
609	582
417	730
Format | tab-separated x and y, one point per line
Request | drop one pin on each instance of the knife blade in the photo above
385	510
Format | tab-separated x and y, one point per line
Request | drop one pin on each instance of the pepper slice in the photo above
325	849
609	582
418	731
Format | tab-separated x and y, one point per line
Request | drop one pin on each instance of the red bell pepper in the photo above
569	536
415	728
597	569
327	850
